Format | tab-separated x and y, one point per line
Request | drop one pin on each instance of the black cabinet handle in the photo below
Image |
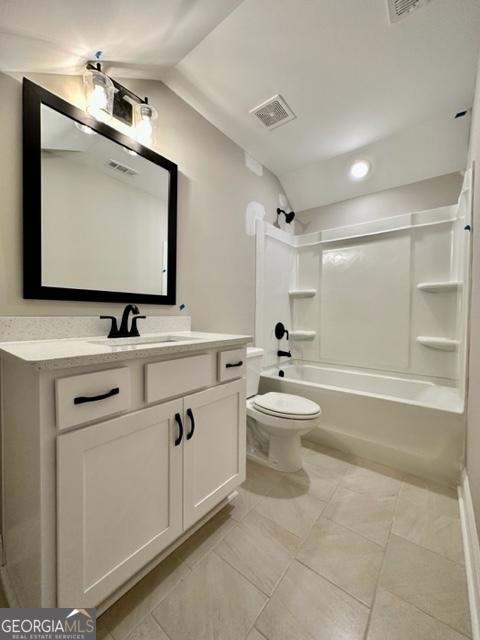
178	419
103	396
192	421
229	365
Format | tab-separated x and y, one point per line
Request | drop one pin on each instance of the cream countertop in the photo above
77	352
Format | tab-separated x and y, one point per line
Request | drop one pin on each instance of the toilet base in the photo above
285	453
281	453
276	441
278	458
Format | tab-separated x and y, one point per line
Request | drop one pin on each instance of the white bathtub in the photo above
413	425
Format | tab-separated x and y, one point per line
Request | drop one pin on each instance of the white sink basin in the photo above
120	342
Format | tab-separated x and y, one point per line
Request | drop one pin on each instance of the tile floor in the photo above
343	550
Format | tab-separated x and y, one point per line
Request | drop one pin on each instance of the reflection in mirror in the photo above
104	212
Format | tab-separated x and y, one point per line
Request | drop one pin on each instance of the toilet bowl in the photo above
276	421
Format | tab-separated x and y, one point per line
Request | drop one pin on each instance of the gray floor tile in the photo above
147	629
122	617
259	549
214	601
307	607
395	619
428	581
345	558
205	539
369	515
430	518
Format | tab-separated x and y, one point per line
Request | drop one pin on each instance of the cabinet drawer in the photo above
172	378
231	364
91	396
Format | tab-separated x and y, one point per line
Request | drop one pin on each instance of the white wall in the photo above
473	411
216	259
426	194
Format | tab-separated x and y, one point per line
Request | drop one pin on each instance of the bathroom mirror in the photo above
99	209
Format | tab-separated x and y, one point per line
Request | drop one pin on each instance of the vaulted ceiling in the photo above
352	78
140	38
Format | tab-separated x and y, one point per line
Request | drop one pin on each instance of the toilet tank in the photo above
254	368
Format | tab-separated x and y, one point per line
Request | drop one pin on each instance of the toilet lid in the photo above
286	405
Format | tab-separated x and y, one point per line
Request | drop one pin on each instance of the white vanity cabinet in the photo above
106	472
119	500
215	453
129	487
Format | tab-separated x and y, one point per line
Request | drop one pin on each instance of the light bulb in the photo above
144	131
145	114
360	169
99	92
97	99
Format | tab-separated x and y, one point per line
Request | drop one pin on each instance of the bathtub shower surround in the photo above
377	314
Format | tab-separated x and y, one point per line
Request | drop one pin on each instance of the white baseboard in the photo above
471	547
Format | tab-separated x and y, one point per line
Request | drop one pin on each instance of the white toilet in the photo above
276	421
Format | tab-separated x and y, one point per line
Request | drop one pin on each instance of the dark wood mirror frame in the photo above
33	98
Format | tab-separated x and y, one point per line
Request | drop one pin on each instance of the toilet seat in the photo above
286	406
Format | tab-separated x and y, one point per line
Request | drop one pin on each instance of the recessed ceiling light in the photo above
360	169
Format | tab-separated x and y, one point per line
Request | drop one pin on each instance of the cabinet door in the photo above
119	491
214	455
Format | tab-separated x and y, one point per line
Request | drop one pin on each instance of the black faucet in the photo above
124	332
280	332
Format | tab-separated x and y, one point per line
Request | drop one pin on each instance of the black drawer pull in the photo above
229	365
178	419
103	396
192	421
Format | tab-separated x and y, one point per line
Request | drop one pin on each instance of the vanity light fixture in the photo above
360	169
107	98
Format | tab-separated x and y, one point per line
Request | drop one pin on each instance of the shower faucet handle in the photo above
284	354
280	331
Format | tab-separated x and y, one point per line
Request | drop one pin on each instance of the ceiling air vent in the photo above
122	168
274	112
398	9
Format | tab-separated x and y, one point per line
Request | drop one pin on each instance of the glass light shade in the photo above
99	91
145	114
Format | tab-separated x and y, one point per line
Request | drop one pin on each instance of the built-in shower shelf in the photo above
442	344
303	335
302	293
438	287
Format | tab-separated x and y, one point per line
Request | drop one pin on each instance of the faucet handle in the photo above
134	333
113	328
281	331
